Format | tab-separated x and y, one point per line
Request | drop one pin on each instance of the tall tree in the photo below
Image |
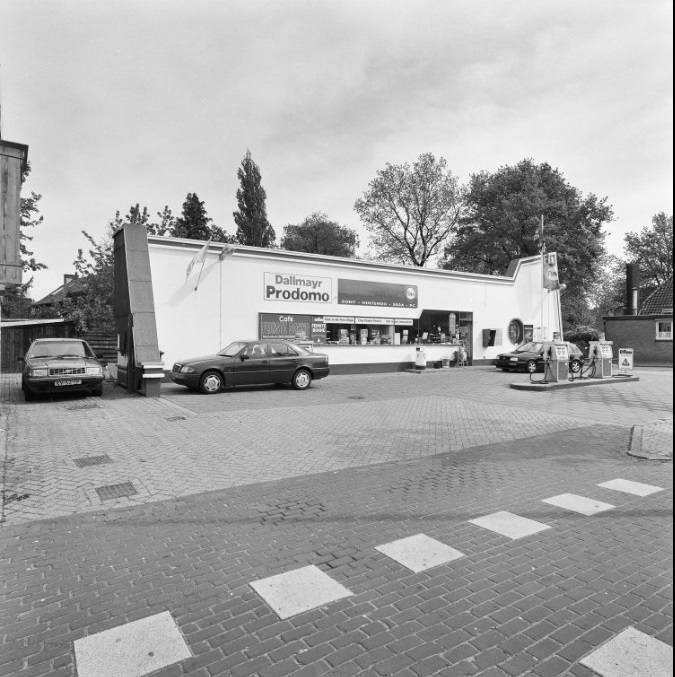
652	250
317	234
193	222
410	211
502	222
253	228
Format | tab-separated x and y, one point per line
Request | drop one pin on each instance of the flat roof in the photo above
322	259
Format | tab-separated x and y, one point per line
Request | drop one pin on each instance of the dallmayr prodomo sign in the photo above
289	287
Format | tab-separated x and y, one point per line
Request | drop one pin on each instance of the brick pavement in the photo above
535	606
362	461
185	443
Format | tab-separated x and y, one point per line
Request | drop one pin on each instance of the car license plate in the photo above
69	382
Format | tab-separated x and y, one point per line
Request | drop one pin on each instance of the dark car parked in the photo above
530	357
61	365
245	363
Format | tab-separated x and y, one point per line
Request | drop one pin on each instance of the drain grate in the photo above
92	460
81	407
113	491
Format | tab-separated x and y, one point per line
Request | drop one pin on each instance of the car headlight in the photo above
187	370
514	359
94	371
37	373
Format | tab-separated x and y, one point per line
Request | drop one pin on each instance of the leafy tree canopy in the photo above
317	234
253	228
652	250
409	211
502	222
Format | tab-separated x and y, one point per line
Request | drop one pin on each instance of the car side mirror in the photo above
20	359
243	358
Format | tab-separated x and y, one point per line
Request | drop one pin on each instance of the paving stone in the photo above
629	487
298	591
632	654
131	650
580	504
419	552
509	525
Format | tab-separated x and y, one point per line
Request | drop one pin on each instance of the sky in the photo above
142	101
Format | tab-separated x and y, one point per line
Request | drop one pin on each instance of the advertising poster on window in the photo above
292	328
383	294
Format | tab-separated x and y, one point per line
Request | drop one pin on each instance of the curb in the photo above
579	383
635	446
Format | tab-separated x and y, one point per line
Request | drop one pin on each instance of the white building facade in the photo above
366	316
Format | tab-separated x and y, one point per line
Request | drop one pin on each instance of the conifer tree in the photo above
253	228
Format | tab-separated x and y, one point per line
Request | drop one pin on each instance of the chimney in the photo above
68	277
632	289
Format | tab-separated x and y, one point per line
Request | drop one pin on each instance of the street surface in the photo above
179	514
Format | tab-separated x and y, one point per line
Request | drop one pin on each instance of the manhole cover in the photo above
357	397
116	491
80	407
92	460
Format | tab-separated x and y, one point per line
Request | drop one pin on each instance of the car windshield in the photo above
59	349
529	348
233	349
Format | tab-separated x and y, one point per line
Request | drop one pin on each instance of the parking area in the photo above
394	525
71	455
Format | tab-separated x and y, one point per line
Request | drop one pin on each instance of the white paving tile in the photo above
131	650
510	525
299	590
419	552
632	654
581	504
629	487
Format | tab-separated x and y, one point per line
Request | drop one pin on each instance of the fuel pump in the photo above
559	362
601	355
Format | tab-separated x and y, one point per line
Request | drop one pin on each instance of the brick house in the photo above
650	331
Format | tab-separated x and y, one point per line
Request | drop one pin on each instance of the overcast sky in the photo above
126	102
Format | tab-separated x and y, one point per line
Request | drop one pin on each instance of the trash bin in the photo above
420	358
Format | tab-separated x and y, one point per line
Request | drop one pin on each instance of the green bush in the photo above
581	333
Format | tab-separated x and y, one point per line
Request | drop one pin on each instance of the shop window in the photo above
492	337
664	330
516	331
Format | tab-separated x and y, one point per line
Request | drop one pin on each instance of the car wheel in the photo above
576	367
211	382
28	395
301	379
531	366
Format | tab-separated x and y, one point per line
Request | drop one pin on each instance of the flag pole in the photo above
199	277
541	281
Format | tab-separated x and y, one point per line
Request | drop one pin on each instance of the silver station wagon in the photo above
60	365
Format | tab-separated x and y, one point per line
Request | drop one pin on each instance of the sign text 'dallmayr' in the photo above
288	287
